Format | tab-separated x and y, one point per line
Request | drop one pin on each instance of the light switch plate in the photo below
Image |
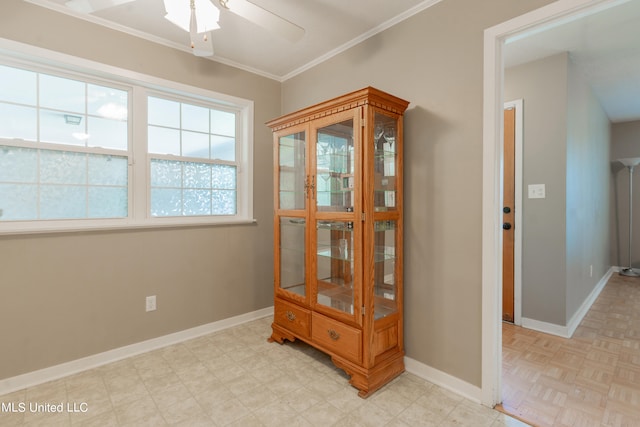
537	191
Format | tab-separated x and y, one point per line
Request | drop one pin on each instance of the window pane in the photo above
107	102
62	94
62	167
224	202
223	123
164	141
223	148
63	202
18	86
195	144
107	133
54	128
224	177
18	164
18	122
18	202
166	202
166	173
197	202
195	118
108	202
164	113
108	170
197	175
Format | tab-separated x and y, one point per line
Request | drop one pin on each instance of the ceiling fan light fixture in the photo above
179	13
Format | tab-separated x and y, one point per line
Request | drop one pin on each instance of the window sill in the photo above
64	226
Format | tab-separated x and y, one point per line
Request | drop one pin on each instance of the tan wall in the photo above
433	59
69	295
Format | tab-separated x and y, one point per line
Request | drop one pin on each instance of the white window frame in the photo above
139	86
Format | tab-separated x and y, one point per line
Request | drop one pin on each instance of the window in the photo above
203	181
83	148
64	151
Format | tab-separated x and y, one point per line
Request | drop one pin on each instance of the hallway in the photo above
591	379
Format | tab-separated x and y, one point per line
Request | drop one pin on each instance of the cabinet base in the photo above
367	381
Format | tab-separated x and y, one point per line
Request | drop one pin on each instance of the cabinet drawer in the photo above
337	337
294	318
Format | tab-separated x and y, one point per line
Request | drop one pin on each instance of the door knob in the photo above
506	226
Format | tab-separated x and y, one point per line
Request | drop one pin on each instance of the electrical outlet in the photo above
151	303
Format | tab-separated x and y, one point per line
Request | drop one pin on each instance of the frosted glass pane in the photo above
60	167
224	202
62	94
164	141
53	128
223	148
18	122
195	144
224	177
223	123
165	173
197	175
63	201
195	118
107	102
108	202
108	170
18	164
18	85
197	202
18	202
163	112
107	133
166	202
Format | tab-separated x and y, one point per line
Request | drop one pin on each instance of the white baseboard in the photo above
574	322
444	380
31	379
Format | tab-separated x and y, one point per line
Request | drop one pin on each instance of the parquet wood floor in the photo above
591	379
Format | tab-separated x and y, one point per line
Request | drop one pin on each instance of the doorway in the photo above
553	14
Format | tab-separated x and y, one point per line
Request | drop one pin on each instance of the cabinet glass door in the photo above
335	166
384	272
291	167
335	264
292	255
385	160
292	193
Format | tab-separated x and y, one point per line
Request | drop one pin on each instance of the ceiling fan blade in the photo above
90	6
264	18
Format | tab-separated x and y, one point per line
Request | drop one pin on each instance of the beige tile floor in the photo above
236	378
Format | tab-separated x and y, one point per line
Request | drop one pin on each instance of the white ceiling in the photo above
329	25
606	44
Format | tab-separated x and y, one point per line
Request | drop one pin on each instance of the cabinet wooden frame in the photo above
355	314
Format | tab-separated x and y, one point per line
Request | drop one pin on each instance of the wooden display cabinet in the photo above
338	233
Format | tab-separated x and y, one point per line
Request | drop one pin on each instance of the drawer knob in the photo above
291	316
333	334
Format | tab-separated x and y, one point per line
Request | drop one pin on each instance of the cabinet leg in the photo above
279	335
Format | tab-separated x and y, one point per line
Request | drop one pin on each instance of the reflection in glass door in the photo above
335	166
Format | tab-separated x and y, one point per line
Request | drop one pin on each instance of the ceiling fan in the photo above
200	17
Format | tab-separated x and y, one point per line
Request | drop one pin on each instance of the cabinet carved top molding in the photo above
368	95
338	227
